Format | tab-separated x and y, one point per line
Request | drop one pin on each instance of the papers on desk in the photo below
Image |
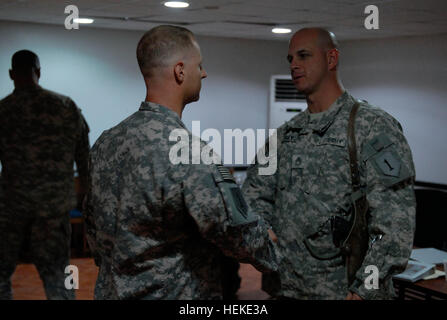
429	255
437	274
415	271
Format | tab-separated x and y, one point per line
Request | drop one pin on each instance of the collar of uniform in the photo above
303	119
27	89
155	107
298	122
321	125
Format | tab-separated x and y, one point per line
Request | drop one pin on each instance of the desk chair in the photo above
78	233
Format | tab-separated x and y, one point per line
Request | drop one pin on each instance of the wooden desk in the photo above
435	289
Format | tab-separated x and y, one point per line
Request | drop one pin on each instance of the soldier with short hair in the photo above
342	197
158	228
42	134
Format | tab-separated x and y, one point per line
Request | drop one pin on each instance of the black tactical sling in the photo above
356	244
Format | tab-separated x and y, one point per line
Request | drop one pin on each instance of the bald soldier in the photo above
326	176
158	228
42	135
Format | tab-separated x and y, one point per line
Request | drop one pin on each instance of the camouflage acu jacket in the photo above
42	133
313	184
158	230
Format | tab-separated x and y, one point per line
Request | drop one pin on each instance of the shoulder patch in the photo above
376	145
388	164
380	152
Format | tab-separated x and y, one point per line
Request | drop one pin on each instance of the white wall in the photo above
97	68
407	77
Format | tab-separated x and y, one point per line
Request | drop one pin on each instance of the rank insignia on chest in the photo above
290	138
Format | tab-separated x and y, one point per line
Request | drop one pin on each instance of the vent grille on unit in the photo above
285	91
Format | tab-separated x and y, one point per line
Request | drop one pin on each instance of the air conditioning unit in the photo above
285	100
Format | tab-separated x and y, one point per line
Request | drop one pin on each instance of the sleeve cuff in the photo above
358	287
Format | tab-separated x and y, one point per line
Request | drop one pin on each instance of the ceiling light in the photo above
281	30
83	20
176	4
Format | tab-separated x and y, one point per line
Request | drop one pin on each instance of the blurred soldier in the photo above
158	229
311	200
42	134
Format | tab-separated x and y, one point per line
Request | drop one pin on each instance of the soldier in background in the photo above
42	134
308	202
158	229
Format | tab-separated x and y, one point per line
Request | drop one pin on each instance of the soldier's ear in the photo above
38	73
179	72
11	74
332	59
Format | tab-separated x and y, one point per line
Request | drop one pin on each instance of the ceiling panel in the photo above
252	19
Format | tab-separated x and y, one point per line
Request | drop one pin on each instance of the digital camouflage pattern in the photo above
42	133
158	230
313	183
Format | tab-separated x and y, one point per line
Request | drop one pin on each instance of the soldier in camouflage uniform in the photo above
42	133
312	184
158	229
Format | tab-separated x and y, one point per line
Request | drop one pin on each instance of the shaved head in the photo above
23	62
313	56
325	39
161	45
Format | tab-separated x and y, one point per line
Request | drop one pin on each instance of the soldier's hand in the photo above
353	296
272	235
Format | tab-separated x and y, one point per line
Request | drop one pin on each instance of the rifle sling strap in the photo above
352	148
